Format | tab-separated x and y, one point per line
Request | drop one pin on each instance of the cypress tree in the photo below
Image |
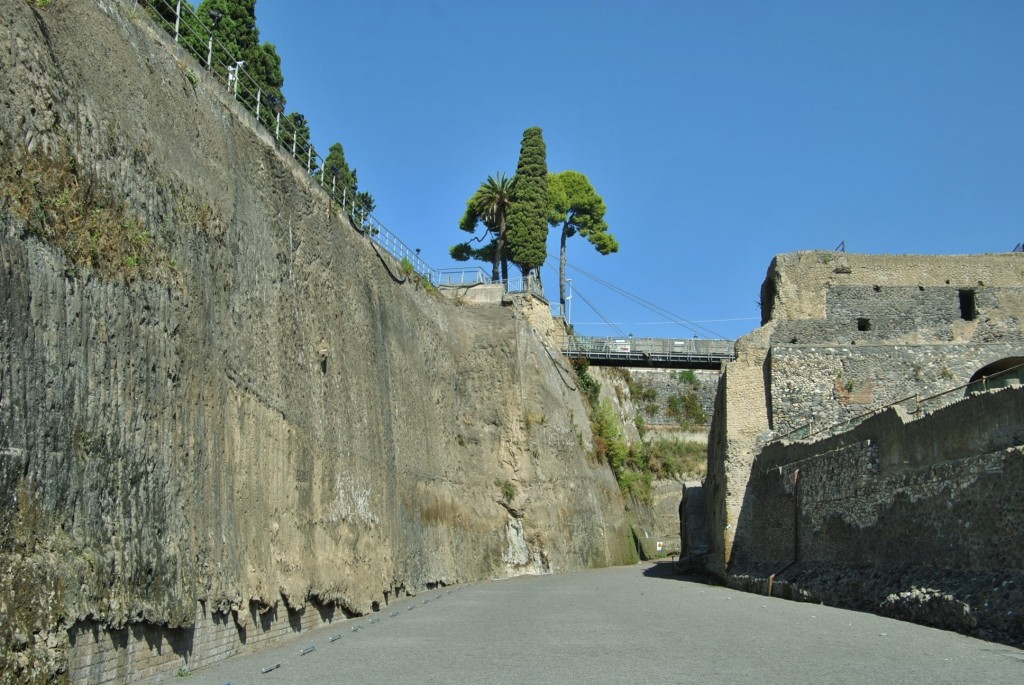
527	221
237	37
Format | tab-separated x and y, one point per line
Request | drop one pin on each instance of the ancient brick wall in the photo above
142	652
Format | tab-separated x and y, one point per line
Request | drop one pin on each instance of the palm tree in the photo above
489	205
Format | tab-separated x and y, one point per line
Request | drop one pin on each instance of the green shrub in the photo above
641	392
587	383
687	376
65	207
685	408
508	489
672	458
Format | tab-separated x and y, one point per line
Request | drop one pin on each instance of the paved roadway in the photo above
616	625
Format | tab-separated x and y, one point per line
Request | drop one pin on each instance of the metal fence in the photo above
197	38
656	347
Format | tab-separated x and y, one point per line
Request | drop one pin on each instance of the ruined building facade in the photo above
801	455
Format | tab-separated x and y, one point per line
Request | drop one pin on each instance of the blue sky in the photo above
719	133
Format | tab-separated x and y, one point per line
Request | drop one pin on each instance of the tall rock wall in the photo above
255	410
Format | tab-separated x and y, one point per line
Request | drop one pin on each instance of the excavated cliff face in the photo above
269	411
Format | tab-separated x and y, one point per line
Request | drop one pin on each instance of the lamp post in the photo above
299	121
278	107
233	77
333	171
215	17
568	302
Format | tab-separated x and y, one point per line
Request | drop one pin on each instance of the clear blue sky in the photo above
719	133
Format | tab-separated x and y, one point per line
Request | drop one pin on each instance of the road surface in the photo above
617	625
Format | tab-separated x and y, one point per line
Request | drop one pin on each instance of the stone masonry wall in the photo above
947	463
847	334
934	501
666	383
815	387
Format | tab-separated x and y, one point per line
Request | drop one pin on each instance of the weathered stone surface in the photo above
849	462
845	335
282	419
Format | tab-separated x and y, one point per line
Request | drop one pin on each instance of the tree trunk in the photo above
499	251
561	270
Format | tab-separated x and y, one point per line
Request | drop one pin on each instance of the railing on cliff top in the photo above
195	37
914	404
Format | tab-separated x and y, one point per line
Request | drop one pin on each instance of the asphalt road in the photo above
616	625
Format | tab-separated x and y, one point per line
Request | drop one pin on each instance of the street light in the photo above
215	17
278	106
233	76
298	123
568	302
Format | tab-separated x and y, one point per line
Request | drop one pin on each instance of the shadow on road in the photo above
665	569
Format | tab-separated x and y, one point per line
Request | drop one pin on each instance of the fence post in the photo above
309	159
177	20
259	95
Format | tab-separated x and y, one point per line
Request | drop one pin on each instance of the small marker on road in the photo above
268	669
307	649
334	638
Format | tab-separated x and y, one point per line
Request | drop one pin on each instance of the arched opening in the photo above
1004	373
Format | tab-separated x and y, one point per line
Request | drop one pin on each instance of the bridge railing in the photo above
656	347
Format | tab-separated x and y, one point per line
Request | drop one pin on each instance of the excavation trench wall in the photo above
254	423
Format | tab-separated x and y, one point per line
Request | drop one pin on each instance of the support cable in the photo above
685	323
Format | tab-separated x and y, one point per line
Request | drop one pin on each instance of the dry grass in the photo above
66	208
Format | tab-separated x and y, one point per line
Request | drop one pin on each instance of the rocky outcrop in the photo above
269	413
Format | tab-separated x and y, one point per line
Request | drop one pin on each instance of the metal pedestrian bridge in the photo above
665	353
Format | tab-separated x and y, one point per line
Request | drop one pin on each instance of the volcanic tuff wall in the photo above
273	418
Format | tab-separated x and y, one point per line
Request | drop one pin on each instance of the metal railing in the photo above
194	36
526	284
189	32
470	276
664	349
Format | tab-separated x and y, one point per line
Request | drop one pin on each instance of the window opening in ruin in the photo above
968	306
863	324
